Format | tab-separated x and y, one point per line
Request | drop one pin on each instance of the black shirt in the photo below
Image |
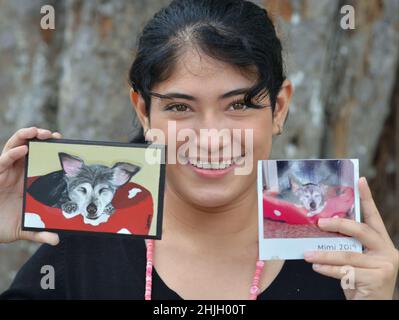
90	267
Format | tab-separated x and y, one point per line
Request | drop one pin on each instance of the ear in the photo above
293	183
326	179
70	164
283	100
123	172
324	187
139	107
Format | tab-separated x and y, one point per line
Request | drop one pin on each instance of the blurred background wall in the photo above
74	80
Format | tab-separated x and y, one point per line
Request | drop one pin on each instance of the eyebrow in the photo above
177	95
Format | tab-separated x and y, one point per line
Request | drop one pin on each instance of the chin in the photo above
211	198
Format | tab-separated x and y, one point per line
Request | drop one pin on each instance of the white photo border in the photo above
294	248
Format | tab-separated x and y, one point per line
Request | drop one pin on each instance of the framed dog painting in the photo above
98	187
294	194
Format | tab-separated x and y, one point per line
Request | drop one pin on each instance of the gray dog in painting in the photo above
90	188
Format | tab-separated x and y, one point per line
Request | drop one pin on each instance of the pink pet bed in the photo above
340	201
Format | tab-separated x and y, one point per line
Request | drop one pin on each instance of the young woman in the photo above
201	64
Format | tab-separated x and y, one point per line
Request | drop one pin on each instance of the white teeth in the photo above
215	165
212	165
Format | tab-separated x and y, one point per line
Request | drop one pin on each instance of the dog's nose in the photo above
91	208
313	205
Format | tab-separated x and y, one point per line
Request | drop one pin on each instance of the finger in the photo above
361	231
20	137
44	134
368	208
40	237
11	156
338	258
57	135
338	272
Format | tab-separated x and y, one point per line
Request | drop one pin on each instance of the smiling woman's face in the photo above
206	80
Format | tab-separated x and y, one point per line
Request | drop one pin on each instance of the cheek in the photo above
159	121
262	140
262	145
106	197
76	196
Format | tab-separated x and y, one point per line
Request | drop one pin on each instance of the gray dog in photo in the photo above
306	184
311	195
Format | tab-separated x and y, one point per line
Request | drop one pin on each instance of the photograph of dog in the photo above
298	192
294	194
86	186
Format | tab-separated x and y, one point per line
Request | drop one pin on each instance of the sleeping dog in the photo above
83	189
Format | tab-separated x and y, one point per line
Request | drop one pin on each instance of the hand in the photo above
375	270
12	163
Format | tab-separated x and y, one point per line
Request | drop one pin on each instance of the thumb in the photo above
369	210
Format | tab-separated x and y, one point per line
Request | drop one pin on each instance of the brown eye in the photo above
177	108
237	106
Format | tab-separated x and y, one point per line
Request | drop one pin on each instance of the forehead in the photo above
202	76
312	188
93	175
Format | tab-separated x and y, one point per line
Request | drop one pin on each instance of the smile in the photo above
223	164
207	169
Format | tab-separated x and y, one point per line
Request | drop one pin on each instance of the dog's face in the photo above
92	187
92	200
311	195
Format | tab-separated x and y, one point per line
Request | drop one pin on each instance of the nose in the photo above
216	141
313	205
91	209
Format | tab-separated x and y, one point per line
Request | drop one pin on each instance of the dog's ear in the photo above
123	172
294	184
70	164
324	187
324	184
327	179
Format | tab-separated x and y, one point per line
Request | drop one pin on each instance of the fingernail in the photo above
323	222
309	255
316	266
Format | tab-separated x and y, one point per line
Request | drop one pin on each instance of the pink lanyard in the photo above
253	291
